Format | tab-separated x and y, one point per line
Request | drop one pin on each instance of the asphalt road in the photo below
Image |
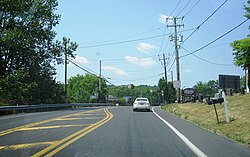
116	131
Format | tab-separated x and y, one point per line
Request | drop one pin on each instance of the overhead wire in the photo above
219	64
71	61
183	8
122	42
171	65
191	8
80	66
175	7
162	40
190	29
125	41
198	27
139	79
138	34
215	39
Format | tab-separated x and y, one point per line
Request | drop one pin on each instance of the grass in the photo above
203	115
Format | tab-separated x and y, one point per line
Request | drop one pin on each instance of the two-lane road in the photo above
116	131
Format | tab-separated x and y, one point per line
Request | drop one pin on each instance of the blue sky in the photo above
128	60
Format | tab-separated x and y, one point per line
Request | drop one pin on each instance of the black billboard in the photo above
229	81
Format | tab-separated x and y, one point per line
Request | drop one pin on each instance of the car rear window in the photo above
141	100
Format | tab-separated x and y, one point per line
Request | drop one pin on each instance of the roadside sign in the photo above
188	91
177	84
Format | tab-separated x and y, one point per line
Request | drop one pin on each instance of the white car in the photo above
142	104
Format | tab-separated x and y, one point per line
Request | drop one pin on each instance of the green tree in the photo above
208	88
241	54
15	88
150	92
28	49
81	88
241	48
169	90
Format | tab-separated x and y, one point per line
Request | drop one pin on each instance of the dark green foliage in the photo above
81	88
241	48
28	52
208	88
168	90
138	91
153	93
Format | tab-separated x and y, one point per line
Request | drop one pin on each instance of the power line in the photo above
207	60
122	59
192	8
138	71
162	39
139	79
105	41
215	39
125	41
82	65
122	42
88	71
175	7
198	27
71	61
184	8
190	29
171	65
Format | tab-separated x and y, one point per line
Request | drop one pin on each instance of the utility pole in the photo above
65	75
165	66
172	78
176	52
165	72
100	76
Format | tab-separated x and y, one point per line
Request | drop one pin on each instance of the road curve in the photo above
116	131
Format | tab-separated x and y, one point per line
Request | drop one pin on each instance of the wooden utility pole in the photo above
175	25
165	72
65	75
100	76
165	67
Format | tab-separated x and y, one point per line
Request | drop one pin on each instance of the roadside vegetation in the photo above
203	115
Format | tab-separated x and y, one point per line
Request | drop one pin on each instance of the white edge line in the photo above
196	150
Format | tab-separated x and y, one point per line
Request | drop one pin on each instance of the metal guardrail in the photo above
46	107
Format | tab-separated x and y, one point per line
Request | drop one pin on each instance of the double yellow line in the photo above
5	132
59	145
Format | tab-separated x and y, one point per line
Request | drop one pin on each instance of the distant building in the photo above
111	98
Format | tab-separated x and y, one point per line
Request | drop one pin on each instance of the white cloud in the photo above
188	71
115	70
140	61
162	18
81	60
145	47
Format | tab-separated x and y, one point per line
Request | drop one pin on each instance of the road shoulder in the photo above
209	143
